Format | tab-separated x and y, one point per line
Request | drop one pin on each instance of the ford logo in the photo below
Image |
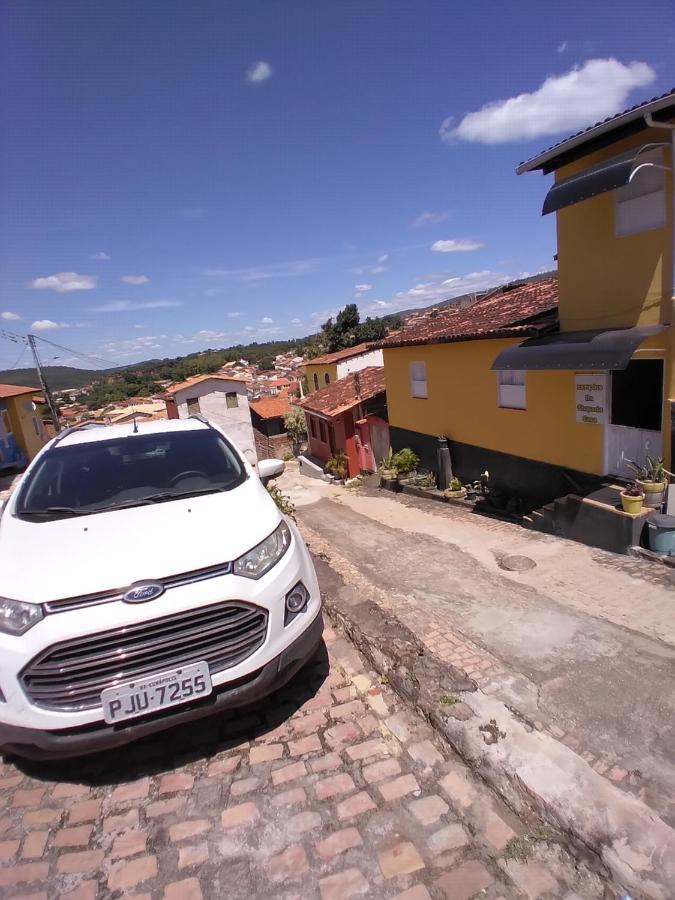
142	593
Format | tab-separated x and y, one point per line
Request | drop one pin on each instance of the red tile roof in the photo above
339	355
545	158
15	390
509	310
271	407
346	392
198	379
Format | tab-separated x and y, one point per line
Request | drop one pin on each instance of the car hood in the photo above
52	560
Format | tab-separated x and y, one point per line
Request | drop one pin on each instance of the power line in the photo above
20	357
99	359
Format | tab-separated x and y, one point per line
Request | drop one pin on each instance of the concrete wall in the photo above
212	404
357	363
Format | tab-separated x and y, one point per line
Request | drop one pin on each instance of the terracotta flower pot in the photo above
455	495
630	503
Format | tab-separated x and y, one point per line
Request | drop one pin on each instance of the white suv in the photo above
147	578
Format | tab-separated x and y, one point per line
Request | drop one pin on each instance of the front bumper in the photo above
33	743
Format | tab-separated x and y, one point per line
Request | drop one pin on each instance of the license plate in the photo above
158	691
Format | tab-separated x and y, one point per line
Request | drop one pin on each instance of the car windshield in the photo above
129	471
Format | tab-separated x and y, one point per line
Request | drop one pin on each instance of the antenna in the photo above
43	383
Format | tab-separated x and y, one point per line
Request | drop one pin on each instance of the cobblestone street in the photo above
331	790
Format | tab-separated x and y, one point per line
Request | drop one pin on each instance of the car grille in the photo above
72	674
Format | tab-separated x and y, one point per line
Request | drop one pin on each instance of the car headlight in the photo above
266	554
17	617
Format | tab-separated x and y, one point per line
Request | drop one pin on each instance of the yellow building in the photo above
22	433
326	369
554	401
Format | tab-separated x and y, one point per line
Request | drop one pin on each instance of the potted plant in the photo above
338	466
405	461
386	468
651	480
455	491
631	498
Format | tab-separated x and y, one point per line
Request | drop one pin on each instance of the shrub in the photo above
284	503
652	470
338	465
405	461
425	480
296	426
455	484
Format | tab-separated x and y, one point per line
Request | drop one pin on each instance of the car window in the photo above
129	471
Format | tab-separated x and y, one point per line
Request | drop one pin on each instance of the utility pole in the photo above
43	383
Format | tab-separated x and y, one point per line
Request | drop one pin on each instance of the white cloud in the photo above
296	321
430	292
64	282
128	306
563	103
429	218
455	246
383	258
100	255
234	314
47	325
135	279
362	288
561	47
10	316
258	72
278	270
267	321
140	326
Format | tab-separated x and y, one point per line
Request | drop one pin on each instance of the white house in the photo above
220	398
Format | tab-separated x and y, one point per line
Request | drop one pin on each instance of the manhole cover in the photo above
517	563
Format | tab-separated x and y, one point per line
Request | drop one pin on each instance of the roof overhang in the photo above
603	350
602	177
601	135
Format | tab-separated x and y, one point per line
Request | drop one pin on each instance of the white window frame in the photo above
418	380
640	205
511	389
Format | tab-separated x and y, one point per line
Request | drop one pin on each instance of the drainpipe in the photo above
670	450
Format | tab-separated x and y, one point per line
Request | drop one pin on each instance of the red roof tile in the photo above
339	355
15	390
198	379
271	407
346	392
508	310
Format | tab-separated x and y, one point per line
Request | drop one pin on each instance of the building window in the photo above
641	204
312	426
36	427
316	382
418	380
512	389
324	436
326	378
193	406
231	399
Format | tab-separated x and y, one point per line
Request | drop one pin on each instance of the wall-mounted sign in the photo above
591	399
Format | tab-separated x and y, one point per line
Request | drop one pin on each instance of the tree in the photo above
343	332
296	427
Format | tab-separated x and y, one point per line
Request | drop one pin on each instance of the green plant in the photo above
425	480
632	490
405	461
387	462
296	426
282	501
651	470
448	699
455	484
288	456
338	465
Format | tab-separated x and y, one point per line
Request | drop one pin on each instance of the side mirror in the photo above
270	468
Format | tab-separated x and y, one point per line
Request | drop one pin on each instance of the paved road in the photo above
563	658
330	790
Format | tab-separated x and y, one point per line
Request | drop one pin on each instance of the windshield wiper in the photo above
55	511
161	498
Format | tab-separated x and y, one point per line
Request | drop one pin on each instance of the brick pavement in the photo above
329	790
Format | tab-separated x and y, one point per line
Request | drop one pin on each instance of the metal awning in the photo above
600	178
573	350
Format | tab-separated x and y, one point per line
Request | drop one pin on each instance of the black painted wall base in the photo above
534	482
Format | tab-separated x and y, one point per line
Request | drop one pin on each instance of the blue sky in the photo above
178	175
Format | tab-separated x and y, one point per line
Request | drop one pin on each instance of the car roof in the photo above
92	434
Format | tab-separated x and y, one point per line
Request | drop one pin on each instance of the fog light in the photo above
297	599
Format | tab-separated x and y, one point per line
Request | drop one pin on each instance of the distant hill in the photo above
59	378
